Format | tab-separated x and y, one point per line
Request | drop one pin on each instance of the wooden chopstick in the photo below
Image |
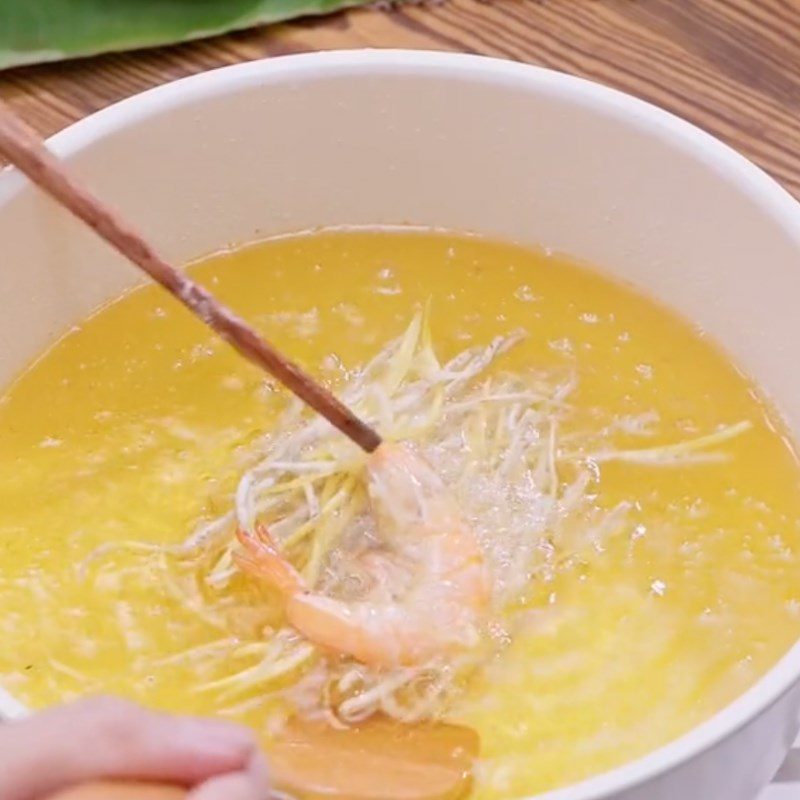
24	148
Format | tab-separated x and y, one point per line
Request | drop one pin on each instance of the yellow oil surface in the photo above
132	427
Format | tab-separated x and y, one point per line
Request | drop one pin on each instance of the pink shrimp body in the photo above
446	600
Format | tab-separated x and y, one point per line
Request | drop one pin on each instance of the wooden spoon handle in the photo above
23	148
117	790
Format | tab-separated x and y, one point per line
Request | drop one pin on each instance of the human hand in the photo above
105	738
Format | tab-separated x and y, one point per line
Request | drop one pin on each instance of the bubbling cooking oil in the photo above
137	423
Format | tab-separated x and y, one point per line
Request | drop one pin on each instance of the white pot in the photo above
459	142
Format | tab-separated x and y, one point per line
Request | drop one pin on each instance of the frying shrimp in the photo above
438	606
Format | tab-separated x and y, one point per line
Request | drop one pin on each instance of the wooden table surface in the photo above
731	66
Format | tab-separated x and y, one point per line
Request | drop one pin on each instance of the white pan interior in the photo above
447	141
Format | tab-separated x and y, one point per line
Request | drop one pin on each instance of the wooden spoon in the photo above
378	760
23	148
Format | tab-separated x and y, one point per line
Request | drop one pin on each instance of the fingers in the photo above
252	784
228	787
108	738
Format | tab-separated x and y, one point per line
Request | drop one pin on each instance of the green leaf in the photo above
50	30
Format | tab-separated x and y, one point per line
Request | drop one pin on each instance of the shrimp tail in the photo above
262	558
